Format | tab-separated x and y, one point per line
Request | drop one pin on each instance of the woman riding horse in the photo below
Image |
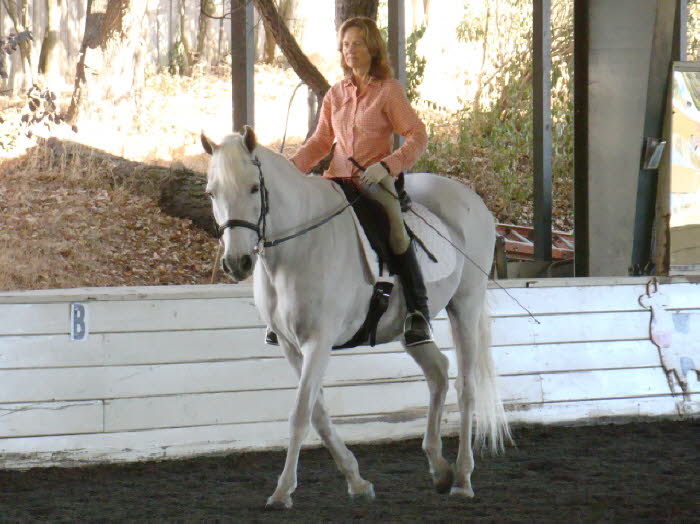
360	114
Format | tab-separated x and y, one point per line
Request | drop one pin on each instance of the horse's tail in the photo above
491	426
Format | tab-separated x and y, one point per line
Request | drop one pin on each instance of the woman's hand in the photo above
374	174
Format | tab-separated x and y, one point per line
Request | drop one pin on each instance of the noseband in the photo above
261	226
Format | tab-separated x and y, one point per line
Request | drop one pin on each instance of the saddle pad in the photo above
444	253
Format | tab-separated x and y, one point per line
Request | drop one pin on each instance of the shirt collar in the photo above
347	81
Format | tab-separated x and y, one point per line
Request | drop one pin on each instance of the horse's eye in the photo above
255	189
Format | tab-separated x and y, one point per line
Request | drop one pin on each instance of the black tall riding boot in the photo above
417	323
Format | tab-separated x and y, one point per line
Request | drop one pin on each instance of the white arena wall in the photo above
165	372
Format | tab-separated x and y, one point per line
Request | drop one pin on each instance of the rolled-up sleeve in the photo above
406	123
319	144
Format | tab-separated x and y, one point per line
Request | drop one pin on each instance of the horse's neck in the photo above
293	197
295	202
294	279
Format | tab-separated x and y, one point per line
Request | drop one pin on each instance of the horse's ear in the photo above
249	138
207	144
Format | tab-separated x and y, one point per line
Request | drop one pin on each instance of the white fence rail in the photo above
173	371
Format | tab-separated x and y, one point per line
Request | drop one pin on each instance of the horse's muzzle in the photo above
238	268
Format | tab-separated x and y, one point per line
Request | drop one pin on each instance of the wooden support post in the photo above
542	125
242	59
397	46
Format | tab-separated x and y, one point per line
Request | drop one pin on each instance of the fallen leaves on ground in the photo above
56	232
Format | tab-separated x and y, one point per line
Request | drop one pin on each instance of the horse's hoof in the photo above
467	493
444	482
275	504
367	493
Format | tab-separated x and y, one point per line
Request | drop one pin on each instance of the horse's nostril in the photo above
224	266
246	263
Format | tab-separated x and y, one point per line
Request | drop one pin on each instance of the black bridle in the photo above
261	227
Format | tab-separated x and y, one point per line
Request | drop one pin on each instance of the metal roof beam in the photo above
242	60
542	128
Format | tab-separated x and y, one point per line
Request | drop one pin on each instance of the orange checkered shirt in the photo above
362	128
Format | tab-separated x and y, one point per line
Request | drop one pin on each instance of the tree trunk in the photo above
72	114
186	47
19	22
285	9
26	45
345	9
308	72
112	23
179	191
182	195
268	54
47	58
203	28
476	106
118	63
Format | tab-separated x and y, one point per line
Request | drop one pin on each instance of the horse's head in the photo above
233	184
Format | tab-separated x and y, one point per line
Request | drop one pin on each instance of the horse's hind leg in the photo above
321	421
435	366
464	322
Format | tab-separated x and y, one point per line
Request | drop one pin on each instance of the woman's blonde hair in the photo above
380	67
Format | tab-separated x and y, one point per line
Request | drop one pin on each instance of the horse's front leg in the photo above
344	458
322	423
315	362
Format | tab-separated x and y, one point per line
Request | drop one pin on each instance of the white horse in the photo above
312	292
